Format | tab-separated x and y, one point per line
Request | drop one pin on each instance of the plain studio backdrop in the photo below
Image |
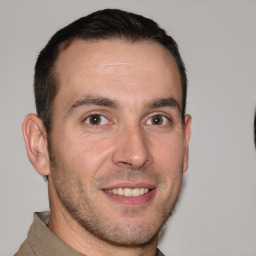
216	212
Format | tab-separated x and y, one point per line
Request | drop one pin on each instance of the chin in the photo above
128	232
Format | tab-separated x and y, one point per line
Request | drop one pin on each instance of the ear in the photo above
35	137
187	133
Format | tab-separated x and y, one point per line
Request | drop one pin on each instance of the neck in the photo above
72	233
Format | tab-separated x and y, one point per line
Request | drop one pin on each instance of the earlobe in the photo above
187	133
35	138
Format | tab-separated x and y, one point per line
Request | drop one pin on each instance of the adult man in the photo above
111	135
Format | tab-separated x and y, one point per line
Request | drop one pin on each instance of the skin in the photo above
133	92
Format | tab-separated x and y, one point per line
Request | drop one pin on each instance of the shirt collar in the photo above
44	242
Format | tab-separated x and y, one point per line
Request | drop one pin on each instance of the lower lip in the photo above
130	200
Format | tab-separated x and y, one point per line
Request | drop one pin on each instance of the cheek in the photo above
169	149
168	158
87	154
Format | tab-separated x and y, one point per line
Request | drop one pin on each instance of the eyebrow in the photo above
106	102
165	102
91	100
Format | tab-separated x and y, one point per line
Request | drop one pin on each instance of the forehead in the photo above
116	68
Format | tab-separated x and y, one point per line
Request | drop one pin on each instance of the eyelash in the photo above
96	115
162	119
167	120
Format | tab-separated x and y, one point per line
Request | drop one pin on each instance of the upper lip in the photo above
130	185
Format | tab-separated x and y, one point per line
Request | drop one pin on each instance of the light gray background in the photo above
216	214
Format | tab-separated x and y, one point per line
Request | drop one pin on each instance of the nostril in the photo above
126	163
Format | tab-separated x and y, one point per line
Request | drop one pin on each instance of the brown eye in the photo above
96	120
158	120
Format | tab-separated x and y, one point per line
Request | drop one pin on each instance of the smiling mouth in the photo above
128	192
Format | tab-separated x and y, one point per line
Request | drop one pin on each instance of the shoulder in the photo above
25	250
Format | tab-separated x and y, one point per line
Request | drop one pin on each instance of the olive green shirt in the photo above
42	242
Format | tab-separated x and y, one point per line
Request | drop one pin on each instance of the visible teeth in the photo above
120	191
136	192
128	191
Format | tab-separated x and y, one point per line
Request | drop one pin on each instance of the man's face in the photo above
118	145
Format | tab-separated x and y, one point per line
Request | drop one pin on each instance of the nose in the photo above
132	149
